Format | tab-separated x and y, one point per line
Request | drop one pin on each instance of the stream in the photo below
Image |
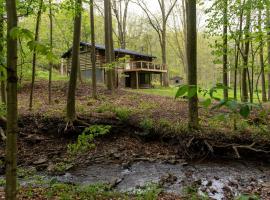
219	180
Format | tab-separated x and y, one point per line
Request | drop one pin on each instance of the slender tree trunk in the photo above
12	107
51	49
245	56
268	45
164	44
264	96
2	55
109	53
93	50
235	72
35	54
225	49
192	61
238	49
71	111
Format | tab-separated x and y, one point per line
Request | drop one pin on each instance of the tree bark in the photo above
109	52
268	45
51	49
12	107
246	55
93	50
225	49
2	55
71	110
193	122
264	96
35	54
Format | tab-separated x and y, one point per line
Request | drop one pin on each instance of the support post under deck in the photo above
137	80
161	79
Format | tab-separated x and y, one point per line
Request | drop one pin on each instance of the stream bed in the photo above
219	180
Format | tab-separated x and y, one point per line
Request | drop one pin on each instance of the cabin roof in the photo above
102	47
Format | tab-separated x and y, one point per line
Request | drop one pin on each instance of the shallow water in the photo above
218	179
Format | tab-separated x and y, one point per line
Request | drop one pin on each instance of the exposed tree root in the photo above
197	148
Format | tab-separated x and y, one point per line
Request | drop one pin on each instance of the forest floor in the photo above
144	128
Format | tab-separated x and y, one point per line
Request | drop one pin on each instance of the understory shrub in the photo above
85	141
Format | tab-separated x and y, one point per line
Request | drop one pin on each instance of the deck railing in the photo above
135	65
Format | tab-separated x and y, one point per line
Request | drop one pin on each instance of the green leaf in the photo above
245	111
206	103
192	91
182	90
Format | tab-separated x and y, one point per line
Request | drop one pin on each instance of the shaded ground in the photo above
145	128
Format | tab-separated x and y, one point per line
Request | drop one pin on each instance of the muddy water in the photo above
220	180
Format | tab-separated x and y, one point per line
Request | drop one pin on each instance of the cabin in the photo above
133	69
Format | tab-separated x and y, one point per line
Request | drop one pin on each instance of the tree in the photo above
109	52
12	108
38	20
51	49
245	54
225	49
264	97
179	42
160	26
2	54
93	50
120	9
191	49
71	110
268	43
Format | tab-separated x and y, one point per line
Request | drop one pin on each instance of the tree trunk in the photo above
193	122
225	49
51	49
12	107
109	52
2	55
164	44
71	111
264	96
35	54
245	56
93	50
268	45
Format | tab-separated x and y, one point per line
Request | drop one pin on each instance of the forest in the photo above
135	99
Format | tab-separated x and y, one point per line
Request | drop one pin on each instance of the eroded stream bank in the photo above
219	180
130	158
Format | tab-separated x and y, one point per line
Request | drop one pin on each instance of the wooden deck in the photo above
144	66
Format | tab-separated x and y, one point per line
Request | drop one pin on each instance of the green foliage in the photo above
26	172
191	193
188	90
247	197
122	113
150	192
2	182
147	124
3	109
85	141
62	166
